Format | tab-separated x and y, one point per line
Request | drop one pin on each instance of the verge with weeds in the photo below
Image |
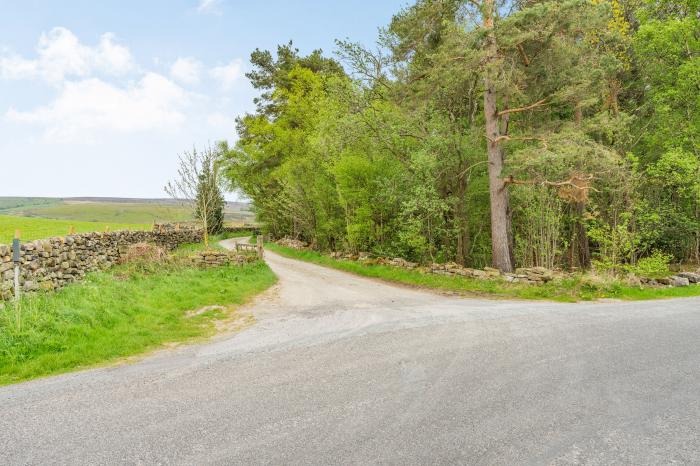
578	288
127	310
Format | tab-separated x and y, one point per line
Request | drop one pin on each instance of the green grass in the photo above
569	290
40	228
119	313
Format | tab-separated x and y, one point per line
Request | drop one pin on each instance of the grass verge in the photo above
119	313
569	290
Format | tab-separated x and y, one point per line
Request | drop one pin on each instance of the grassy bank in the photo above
570	290
40	228
122	312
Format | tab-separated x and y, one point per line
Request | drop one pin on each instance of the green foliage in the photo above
598	115
617	243
654	266
539	241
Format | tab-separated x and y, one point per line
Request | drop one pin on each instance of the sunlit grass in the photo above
40	228
118	313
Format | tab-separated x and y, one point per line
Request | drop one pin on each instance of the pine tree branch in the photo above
505	137
523	55
578	182
508	111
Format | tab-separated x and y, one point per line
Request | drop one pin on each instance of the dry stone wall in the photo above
530	275
215	258
55	262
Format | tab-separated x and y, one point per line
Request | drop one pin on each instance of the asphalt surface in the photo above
344	370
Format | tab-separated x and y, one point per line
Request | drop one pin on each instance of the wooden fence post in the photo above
16	260
261	243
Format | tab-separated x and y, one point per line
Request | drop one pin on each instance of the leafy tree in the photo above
667	45
199	184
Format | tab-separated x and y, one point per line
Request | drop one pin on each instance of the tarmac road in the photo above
345	370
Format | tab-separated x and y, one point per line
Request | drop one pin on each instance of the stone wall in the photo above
530	275
55	262
217	258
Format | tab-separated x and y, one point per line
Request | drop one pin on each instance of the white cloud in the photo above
209	6
112	58
60	54
227	75
15	67
186	70
86	108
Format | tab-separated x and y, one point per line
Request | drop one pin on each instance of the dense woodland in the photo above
507	133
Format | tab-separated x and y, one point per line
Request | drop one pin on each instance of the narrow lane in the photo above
344	370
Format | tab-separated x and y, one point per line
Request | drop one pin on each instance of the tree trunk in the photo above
206	233
583	248
501	238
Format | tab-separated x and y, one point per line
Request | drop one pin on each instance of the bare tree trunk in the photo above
501	238
206	233
583	254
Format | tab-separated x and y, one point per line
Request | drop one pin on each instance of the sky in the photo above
98	98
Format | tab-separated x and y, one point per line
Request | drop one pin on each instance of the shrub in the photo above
654	266
144	257
144	252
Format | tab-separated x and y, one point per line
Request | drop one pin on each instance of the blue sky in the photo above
98	97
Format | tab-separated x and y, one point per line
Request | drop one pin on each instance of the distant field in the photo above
112	210
108	212
39	228
7	203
